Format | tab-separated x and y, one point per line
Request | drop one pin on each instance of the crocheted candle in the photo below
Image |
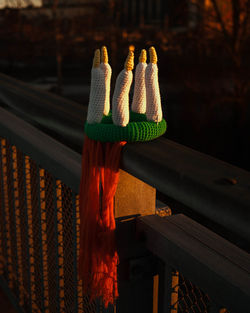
107	76
120	104
154	110
139	98
97	91
105	135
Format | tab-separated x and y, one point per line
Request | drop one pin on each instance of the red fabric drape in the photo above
98	257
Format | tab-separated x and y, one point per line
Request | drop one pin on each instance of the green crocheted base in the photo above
138	129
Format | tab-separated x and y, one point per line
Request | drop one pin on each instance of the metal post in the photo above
165	287
174	292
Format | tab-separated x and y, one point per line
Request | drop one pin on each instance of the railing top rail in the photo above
61	161
194	179
219	268
203	183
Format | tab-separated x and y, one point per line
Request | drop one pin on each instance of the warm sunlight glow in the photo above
19	3
208	3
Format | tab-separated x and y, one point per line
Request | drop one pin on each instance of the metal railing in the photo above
191	269
218	192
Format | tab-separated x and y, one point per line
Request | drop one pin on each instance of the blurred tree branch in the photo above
226	26
58	38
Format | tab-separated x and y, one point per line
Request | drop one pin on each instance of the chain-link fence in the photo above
186	297
39	233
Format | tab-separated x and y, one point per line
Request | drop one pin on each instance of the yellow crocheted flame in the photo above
129	64
152	55
96	60
131	48
143	56
104	55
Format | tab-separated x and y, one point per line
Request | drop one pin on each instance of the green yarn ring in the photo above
138	129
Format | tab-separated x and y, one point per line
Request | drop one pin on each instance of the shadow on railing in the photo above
191	269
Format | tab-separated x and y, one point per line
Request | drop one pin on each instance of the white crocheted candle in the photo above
107	74
139	97
120	101
97	92
153	109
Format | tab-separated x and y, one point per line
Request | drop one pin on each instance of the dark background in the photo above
203	51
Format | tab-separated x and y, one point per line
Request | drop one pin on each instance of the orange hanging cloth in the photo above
98	255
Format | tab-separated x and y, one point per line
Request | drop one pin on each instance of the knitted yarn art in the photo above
106	133
138	129
144	121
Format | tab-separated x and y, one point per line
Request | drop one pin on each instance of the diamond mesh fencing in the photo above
187	297
39	237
